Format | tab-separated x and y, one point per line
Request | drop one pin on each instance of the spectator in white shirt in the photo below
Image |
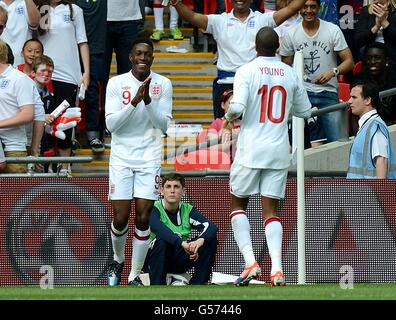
63	37
23	17
16	109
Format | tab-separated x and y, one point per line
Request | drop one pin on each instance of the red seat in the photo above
357	68
202	136
189	3
203	159
228	6
344	91
210	7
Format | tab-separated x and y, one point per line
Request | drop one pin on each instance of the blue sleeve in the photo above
162	231
206	227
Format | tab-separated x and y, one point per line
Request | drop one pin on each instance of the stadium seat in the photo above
189	3
210	7
202	136
342	78
203	159
357	68
343	91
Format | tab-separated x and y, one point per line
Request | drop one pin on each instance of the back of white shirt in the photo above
269	90
137	144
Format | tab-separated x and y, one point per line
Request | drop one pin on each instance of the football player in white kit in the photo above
266	90
138	110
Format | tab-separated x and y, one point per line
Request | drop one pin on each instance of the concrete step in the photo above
180	69
166	43
188	57
187	31
192	80
185	69
103	167
192	105
183	93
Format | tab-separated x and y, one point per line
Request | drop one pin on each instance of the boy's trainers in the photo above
176	34
96	145
114	273
248	274
278	279
157	35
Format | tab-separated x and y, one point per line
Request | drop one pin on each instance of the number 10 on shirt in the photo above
267	102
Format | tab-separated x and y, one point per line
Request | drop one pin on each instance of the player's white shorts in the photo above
128	183
269	183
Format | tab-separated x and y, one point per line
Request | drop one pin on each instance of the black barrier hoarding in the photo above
64	224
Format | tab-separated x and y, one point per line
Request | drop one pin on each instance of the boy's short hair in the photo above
3	52
43	59
173	176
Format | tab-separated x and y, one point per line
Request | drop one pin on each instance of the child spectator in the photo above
228	135
31	49
42	69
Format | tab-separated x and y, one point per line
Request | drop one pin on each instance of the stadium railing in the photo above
43	160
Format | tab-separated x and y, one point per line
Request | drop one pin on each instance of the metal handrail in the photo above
31	159
342	105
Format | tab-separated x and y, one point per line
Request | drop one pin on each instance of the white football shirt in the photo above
269	90
16	90
17	30
236	39
138	143
123	10
62	40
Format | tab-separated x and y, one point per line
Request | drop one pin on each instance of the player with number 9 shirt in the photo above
138	111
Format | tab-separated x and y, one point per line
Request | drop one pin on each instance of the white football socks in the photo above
273	234
159	18
118	240
140	246
241	228
174	17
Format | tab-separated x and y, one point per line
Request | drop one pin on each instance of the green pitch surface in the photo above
210	292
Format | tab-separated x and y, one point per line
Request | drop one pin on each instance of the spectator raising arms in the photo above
235	34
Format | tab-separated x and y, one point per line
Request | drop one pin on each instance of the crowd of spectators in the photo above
81	36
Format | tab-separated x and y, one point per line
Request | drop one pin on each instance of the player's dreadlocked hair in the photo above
43	7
